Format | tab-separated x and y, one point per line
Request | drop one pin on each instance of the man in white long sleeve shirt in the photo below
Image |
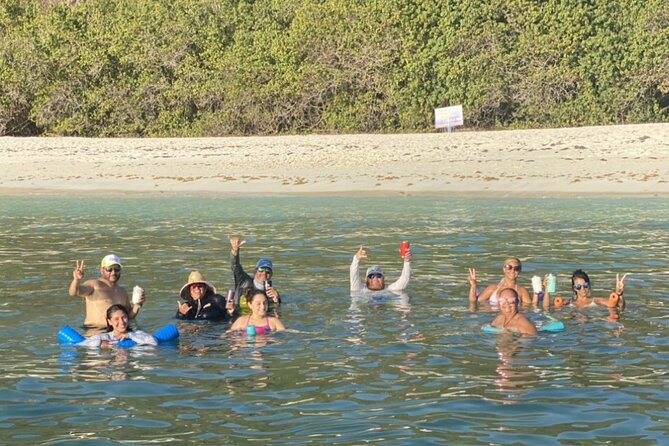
374	278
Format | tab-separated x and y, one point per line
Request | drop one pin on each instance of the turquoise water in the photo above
414	369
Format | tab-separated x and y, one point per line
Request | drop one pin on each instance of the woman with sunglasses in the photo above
512	268
509	319
581	287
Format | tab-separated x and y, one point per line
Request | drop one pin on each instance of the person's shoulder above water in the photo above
201	300
258	304
511	270
581	288
510	319
100	293
262	278
118	329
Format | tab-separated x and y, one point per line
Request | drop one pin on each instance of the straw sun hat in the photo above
195	277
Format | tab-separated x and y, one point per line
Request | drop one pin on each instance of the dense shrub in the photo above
235	67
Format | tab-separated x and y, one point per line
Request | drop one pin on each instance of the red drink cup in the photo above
404	248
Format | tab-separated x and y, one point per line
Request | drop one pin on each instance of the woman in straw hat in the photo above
201	301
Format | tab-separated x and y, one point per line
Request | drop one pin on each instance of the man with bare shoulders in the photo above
100	294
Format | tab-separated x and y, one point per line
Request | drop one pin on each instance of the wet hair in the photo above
579	274
113	309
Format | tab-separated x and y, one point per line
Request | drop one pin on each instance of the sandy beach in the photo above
612	160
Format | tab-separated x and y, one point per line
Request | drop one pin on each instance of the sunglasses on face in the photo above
585	286
198	285
512	268
265	270
375	276
116	270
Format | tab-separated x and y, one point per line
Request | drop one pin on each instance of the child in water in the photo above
118	330
258	318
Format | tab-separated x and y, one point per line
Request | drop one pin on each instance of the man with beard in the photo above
100	294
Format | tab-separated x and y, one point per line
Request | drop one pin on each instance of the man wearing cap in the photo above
375	279
100	294
262	279
201	301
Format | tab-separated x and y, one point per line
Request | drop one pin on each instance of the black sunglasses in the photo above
375	276
265	270
116	270
585	286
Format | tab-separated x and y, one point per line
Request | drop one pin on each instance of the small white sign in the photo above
448	117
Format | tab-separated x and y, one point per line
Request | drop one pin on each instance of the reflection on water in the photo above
410	368
516	376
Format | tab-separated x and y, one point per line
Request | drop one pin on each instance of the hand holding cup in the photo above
138	295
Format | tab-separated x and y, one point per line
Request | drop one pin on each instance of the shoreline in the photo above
611	161
473	194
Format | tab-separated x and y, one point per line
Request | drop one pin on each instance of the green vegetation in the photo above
246	67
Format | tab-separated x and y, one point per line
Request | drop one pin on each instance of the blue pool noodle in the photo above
553	326
69	336
166	334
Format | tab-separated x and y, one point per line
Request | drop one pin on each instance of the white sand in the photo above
615	161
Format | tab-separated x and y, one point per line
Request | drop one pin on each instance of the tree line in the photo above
178	68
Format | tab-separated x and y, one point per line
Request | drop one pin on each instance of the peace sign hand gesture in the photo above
620	283
472	277
78	272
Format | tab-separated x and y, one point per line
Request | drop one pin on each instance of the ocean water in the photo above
396	370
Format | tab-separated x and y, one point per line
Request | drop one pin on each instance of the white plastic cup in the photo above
536	284
551	286
137	292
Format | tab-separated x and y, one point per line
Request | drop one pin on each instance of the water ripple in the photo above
394	369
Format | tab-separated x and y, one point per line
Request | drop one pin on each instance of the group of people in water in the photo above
508	294
108	306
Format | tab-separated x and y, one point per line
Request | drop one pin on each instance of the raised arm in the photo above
473	285
615	299
238	272
620	286
78	289
354	272
403	282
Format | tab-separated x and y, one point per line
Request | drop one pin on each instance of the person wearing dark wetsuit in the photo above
201	301
262	279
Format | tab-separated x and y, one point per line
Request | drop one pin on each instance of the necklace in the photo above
505	323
